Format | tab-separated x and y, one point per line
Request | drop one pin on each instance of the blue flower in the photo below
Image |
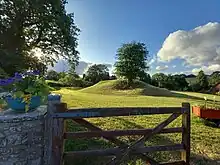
32	73
18	76
4	82
10	80
36	72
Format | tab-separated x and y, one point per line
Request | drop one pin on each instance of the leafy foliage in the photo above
202	81
145	77
214	79
53	84
97	73
25	86
72	81
131	60
171	82
62	74
178	82
160	80
3	74
53	75
27	26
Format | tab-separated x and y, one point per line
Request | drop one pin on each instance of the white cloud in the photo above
200	46
82	67
162	68
152	61
174	66
207	69
183	72
62	66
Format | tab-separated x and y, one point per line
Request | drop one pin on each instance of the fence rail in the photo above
124	150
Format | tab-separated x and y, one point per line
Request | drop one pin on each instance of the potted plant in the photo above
26	91
211	113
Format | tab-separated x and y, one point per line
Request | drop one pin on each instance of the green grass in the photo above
117	87
205	140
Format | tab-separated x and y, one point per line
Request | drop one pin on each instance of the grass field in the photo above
205	140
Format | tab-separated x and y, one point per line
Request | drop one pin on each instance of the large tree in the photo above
36	25
131	60
97	73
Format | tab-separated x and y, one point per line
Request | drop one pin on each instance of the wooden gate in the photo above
124	150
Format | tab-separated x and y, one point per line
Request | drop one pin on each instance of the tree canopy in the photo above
214	78
202	81
171	82
27	26
160	80
52	75
96	73
131	60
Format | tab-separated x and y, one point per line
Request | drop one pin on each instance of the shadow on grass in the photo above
98	143
198	99
181	95
54	88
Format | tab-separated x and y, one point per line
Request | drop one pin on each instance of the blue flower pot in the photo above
17	104
53	97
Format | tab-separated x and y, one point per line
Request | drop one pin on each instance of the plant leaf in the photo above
19	94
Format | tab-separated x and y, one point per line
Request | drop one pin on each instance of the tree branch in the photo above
34	44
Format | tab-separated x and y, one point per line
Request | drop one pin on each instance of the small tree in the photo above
214	78
179	82
131	60
97	73
160	80
52	75
202	80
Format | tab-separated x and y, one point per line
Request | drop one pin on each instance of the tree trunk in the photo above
130	82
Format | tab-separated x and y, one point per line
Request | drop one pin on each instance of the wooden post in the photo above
48	130
57	139
185	155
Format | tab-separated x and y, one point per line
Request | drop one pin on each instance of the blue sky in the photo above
106	24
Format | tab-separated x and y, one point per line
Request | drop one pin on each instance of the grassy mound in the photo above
120	87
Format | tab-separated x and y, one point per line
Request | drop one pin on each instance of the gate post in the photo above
58	130
52	100
185	155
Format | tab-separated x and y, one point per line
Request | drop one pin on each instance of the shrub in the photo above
3	74
124	84
71	81
55	84
87	83
52	75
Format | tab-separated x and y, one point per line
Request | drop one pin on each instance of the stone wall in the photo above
22	137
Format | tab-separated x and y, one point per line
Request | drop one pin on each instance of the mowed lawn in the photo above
205	140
